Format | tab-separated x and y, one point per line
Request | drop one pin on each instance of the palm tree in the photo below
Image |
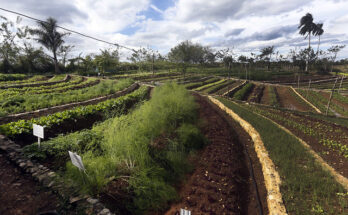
49	37
307	27
318	31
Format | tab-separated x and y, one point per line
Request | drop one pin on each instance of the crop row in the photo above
35	80
21	79
23	102
15	129
12	77
306	188
219	87
200	83
317	99
201	88
334	138
243	92
6	93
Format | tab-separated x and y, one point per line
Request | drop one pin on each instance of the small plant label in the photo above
76	160
38	131
185	212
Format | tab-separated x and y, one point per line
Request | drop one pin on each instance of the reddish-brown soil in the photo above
221	183
19	194
265	96
287	100
334	132
256	94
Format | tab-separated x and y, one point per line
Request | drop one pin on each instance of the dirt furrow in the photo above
221	183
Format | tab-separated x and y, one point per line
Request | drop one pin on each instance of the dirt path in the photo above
19	194
221	183
287	100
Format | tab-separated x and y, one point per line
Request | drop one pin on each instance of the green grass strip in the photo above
306	187
209	85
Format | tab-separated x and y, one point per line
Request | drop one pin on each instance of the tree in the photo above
307	28
243	59
266	53
63	52
185	53
318	31
334	50
226	56
50	38
9	50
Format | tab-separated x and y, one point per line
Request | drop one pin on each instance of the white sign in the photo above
185	212
38	131
76	160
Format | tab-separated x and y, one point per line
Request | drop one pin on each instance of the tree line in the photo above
24	57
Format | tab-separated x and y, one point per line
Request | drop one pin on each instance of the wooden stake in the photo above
332	91
338	91
309	86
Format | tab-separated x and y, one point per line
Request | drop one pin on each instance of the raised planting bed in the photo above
201	83
39	83
231	85
256	94
201	88
244	92
23	103
289	100
306	188
73	119
62	86
25	80
216	88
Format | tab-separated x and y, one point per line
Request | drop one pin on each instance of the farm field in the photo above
154	150
173	108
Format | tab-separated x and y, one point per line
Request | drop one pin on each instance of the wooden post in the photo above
309	86
332	91
229	70
153	62
298	81
338	91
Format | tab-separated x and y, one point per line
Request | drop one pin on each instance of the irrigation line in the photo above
271	176
66	29
251	168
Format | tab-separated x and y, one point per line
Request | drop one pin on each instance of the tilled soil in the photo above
287	100
19	194
221	182
256	95
265	96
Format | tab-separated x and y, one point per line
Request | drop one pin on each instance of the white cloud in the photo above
258	23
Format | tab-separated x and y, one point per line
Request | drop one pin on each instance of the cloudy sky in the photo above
244	25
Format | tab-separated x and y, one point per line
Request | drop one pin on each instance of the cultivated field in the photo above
156	143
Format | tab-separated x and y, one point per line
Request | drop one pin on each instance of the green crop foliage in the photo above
305	185
209	85
118	105
148	148
29	102
241	94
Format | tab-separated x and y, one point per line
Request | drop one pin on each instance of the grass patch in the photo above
306	187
